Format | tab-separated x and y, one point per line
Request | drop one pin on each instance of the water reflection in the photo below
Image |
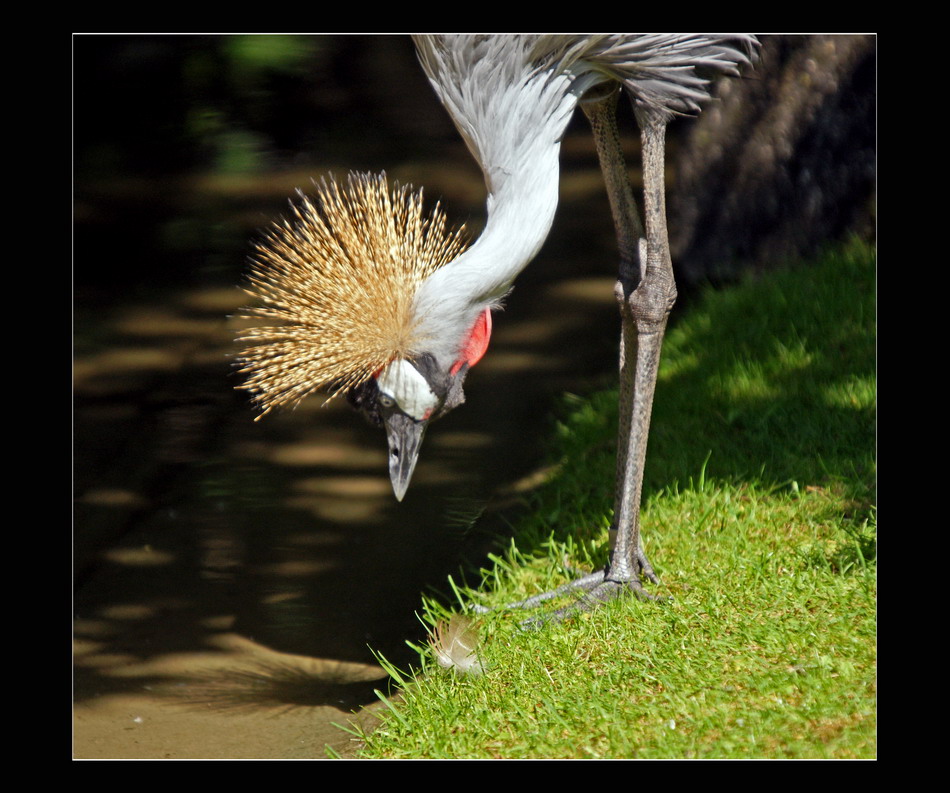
234	565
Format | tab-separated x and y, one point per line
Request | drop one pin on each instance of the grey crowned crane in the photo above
380	301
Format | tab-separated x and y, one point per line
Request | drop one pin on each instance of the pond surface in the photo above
233	578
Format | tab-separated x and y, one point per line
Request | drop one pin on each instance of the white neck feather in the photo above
517	147
519	219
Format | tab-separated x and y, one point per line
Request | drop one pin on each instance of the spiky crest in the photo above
340	276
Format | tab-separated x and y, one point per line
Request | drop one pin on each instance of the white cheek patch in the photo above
402	383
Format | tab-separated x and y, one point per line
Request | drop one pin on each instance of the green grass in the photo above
759	518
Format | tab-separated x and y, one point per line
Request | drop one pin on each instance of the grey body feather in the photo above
511	98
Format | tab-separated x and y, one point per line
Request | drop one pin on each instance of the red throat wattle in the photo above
477	342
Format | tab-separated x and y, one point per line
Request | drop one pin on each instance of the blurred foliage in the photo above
153	105
150	104
166	130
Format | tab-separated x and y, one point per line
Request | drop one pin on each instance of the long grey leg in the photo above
645	292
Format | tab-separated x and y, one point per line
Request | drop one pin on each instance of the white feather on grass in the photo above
454	646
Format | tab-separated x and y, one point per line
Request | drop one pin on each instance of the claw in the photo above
595	588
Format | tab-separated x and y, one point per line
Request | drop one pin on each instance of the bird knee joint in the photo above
650	304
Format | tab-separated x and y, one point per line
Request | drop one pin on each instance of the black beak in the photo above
405	439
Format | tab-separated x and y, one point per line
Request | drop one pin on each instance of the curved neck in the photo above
520	215
512	120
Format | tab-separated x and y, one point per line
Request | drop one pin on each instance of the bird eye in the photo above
386	401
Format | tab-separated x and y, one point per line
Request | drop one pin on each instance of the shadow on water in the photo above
228	570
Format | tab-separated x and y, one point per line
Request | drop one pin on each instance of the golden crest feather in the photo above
339	277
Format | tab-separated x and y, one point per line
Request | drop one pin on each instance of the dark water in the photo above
233	578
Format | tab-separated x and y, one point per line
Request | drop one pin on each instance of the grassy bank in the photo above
759	518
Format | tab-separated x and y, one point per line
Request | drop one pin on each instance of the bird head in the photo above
340	277
408	394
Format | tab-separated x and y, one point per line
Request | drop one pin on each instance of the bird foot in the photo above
594	588
602	592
